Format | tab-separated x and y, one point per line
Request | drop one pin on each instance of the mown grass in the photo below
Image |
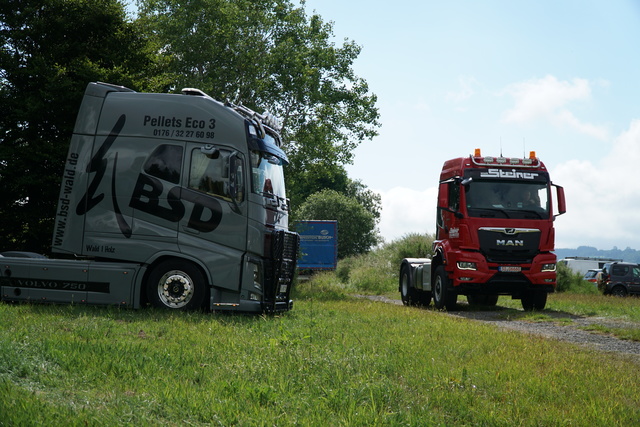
333	360
345	362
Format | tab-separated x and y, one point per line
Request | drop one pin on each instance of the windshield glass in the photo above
267	174
512	199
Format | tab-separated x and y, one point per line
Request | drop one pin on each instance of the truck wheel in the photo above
534	300
176	285
619	291
407	292
443	297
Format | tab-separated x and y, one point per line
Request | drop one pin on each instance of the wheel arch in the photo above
165	258
437	260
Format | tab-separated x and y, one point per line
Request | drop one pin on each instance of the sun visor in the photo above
267	147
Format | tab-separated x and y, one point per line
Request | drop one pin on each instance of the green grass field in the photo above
338	361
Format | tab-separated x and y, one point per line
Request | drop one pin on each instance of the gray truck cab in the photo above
187	189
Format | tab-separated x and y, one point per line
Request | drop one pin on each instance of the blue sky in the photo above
558	77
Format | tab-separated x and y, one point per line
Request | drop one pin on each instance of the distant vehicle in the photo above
620	279
318	245
583	264
591	275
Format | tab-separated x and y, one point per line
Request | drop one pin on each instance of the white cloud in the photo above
548	99
407	211
603	207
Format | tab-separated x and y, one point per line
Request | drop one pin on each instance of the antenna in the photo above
524	148
500	146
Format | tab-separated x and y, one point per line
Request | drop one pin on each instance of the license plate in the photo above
510	269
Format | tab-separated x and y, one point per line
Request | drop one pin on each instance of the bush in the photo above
412	245
569	281
371	274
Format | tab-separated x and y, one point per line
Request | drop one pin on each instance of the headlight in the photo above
257	277
548	267
465	265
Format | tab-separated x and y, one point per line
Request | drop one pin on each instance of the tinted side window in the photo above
165	163
620	270
213	174
454	196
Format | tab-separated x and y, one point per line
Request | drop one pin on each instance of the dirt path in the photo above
563	326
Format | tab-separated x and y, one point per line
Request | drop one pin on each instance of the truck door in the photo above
634	287
448	209
214	230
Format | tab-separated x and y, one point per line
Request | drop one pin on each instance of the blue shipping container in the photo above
318	245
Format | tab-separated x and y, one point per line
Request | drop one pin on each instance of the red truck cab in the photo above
495	233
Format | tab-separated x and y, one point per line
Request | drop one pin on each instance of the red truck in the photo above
494	235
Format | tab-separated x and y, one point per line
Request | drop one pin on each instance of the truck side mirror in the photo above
562	204
236	179
443	196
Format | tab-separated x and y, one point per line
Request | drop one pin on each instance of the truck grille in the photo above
284	252
509	245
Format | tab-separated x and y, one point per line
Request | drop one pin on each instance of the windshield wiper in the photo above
529	211
489	212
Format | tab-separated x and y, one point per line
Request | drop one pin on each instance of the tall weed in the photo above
569	281
412	245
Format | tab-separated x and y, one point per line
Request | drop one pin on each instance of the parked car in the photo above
620	279
591	275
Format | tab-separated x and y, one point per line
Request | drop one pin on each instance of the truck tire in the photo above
619	291
534	300
409	294
443	296
483	300
176	285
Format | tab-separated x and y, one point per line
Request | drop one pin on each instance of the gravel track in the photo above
563	327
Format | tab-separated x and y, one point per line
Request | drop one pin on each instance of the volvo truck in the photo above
494	235
171	200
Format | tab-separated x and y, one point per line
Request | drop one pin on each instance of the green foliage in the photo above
376	272
51	49
267	54
322	286
356	226
569	281
270	55
370	274
412	245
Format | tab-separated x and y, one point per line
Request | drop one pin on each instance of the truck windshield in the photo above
510	199
267	174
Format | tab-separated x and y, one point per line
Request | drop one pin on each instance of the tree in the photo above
356	226
269	55
51	49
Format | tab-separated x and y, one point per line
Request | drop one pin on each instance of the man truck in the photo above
172	200
494	235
